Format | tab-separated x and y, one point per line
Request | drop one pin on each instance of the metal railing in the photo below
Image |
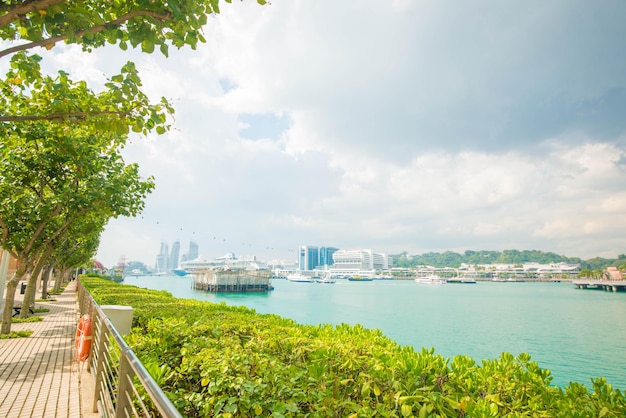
120	379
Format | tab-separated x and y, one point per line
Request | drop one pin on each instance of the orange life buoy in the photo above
83	338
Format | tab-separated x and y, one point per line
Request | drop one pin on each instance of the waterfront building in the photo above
529	270
162	259
308	257
174	255
326	256
192	254
353	260
613	273
381	261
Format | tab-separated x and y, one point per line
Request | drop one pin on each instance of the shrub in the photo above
219	360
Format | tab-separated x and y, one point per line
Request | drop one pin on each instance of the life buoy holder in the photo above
83	338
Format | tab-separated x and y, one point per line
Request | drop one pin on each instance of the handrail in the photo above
115	366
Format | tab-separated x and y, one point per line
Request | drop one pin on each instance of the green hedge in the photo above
219	360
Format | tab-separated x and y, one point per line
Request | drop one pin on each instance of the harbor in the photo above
555	323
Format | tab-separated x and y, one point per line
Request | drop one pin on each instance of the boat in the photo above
299	277
462	280
325	280
430	280
180	272
360	279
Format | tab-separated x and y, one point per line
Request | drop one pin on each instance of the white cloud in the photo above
413	125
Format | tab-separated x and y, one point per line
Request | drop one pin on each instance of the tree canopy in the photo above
453	259
61	171
58	177
94	23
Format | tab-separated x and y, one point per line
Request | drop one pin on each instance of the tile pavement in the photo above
38	375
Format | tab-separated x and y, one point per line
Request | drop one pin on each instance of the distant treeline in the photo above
452	259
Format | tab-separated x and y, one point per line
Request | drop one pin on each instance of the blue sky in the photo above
395	126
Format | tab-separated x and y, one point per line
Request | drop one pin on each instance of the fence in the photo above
121	382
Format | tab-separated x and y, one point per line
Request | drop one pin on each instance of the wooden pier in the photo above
606	285
231	280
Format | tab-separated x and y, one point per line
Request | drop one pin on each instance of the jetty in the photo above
606	285
231	280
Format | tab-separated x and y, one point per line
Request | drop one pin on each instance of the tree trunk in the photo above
29	295
8	307
62	276
9	301
59	278
44	281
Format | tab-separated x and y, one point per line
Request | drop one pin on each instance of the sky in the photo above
393	126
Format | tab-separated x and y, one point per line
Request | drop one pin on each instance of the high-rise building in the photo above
162	259
361	260
174	255
326	256
192	254
193	251
308	257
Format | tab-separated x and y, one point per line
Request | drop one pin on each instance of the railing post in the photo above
100	358
106	340
124	386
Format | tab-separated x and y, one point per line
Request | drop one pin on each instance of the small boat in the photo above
180	272
299	277
325	280
462	280
360	279
430	280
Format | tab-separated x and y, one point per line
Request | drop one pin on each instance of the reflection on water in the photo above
577	334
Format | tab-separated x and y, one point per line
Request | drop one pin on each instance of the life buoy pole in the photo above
83	338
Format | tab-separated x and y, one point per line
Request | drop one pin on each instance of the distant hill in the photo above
452	259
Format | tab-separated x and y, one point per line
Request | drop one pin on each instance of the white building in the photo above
359	262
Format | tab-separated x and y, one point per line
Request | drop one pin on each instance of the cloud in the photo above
397	126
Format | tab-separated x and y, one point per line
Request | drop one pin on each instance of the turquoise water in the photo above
576	334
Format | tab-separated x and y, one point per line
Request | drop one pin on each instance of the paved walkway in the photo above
38	374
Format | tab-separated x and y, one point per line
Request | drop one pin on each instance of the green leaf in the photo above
147	47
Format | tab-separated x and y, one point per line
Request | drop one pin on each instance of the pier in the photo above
231	280
606	285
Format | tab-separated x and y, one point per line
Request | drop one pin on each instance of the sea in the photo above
576	334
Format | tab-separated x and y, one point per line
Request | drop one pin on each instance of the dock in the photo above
231	280
606	285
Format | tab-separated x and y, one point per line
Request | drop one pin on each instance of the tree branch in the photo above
96	29
31	6
59	116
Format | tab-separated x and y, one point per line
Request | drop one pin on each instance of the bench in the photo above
18	308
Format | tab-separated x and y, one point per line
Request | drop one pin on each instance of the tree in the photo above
54	175
94	23
76	249
60	141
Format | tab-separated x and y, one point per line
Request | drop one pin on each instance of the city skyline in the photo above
167	259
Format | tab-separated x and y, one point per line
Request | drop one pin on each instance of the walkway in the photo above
38	374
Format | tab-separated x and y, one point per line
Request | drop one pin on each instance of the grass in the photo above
16	334
29	319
